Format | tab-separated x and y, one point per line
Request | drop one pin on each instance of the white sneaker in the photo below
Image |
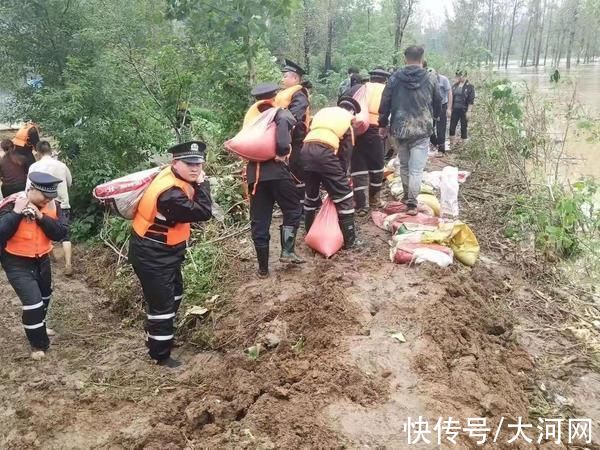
50	332
38	355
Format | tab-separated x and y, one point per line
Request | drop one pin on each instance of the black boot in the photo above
169	362
309	218
262	255
349	231
288	242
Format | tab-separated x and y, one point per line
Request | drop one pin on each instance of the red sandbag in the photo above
378	217
10	199
361	124
256	141
325	235
420	218
404	252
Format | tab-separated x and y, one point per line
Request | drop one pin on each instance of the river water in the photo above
582	157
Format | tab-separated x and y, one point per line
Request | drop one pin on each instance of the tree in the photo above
403	10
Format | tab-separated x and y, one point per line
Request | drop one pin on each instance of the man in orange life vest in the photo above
295	98
367	163
325	155
270	182
29	222
177	197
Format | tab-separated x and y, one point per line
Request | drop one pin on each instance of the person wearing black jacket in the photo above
463	97
271	182
177	197
295	98
412	100
29	222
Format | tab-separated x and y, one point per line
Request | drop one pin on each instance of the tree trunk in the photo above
572	33
250	61
306	37
491	33
548	35
328	51
501	48
512	31
402	18
538	50
560	48
368	20
526	44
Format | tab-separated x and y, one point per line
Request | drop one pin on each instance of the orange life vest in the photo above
30	240
284	98
374	92
22	136
255	110
148	220
329	126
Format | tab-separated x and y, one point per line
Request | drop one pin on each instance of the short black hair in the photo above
352	70
414	53
6	145
43	147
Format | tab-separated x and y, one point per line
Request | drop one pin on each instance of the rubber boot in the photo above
375	200
349	231
288	243
309	218
262	255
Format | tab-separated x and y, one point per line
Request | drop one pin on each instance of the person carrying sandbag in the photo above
326	156
178	196
271	181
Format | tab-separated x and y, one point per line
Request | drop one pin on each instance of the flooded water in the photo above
581	157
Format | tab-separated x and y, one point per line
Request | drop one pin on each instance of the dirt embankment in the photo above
332	370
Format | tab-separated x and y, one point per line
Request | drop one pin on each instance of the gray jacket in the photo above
409	103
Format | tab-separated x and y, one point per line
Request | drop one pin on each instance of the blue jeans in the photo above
413	157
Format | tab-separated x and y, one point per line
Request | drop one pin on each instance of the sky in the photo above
433	11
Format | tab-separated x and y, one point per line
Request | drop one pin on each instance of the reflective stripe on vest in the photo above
147	219
374	92
284	98
30	240
329	126
255	111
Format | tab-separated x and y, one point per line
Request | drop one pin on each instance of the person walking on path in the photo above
29	222
271	182
177	197
13	169
410	101
463	97
47	164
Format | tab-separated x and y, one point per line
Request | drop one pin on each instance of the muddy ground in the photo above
332	372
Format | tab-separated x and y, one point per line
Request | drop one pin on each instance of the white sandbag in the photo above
449	192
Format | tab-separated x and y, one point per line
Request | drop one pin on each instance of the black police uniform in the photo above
275	185
31	277
158	265
299	107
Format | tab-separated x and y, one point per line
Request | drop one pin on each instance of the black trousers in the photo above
440	129
163	293
297	169
285	194
366	166
31	278
323	167
459	115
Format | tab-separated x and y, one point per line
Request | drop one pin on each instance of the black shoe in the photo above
411	210
262	255
348	230
309	218
288	243
169	362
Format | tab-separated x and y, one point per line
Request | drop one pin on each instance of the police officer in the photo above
367	163
29	222
177	197
325	155
270	182
295	98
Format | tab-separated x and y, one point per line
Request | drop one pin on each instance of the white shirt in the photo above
47	164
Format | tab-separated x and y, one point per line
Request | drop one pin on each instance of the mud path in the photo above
332	371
